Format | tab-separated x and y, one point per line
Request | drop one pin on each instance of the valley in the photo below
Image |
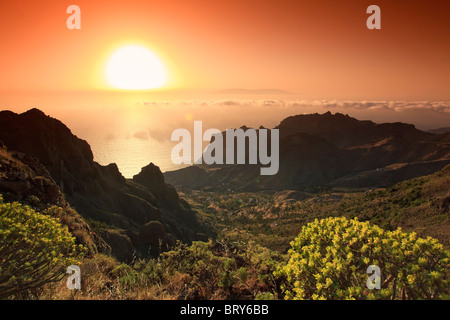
273	219
225	232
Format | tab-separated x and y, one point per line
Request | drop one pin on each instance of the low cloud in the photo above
159	135
438	106
227	113
141	135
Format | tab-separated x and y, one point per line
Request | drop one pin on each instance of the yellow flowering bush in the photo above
34	249
330	257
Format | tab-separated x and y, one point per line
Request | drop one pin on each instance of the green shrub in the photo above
265	296
221	270
197	261
242	273
35	249
330	257
153	272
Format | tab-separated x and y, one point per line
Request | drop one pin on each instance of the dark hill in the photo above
332	150
101	193
345	131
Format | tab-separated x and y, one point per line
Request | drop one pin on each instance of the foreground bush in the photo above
34	249
202	270
219	271
330	257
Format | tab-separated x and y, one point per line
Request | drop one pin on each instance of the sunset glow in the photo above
135	68
204	150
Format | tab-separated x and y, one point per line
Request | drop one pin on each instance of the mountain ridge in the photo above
317	150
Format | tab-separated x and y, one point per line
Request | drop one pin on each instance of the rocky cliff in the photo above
121	207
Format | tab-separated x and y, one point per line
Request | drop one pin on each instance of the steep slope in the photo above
25	180
327	150
101	193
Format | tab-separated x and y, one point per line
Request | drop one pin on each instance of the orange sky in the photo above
317	49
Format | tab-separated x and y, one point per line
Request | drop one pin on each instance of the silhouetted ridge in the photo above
329	150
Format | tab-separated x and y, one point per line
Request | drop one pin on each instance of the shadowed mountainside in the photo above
324	151
24	179
132	215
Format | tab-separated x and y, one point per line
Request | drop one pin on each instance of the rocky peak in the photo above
150	175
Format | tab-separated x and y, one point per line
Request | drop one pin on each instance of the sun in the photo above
135	67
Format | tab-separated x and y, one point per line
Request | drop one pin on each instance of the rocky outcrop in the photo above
120	243
24	179
176	209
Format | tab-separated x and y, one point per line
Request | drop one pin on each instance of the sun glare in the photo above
135	68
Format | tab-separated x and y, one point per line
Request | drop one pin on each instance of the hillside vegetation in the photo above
328	260
273	219
35	248
238	264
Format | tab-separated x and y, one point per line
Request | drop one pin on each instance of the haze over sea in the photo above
134	129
